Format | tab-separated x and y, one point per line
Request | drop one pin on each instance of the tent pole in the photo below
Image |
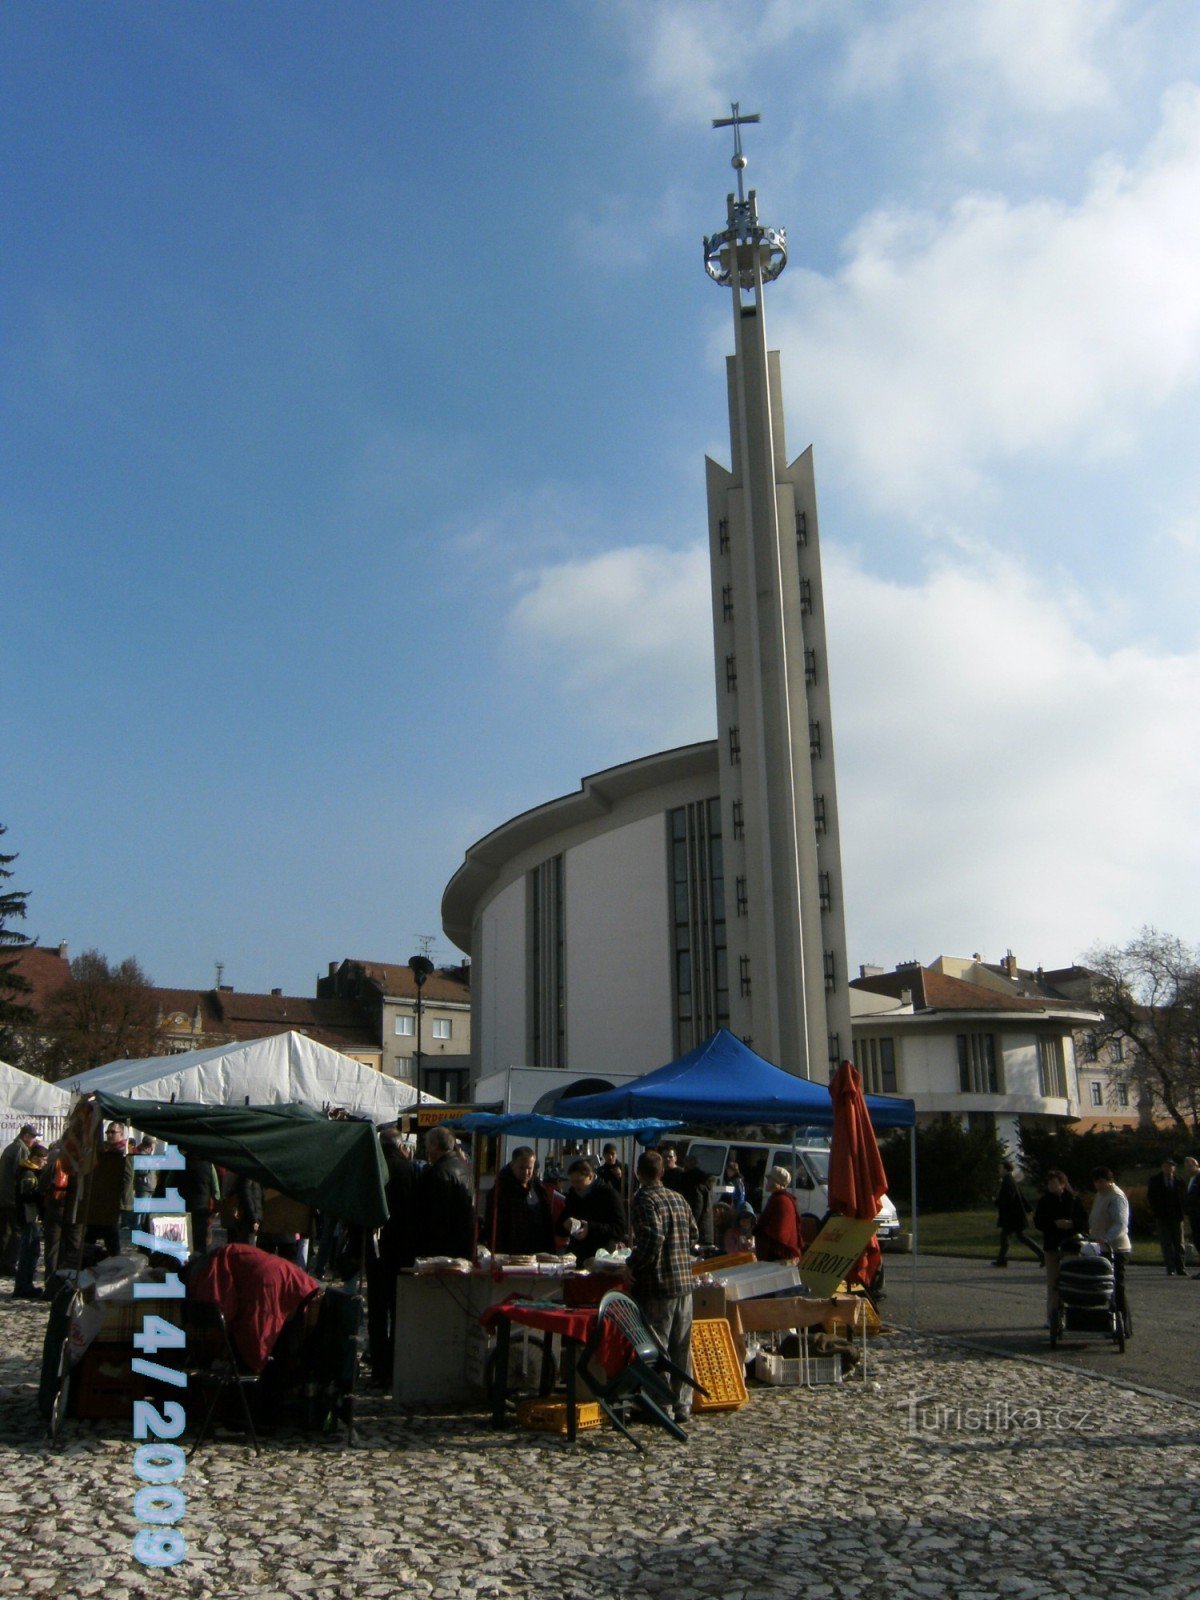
912	1180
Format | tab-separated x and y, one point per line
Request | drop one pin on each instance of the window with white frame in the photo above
1116	1049
405	1027
1097	1094
1052	1074
978	1067
441	1027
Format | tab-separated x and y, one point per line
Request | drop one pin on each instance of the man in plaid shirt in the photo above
664	1238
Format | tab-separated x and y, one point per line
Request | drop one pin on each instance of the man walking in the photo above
1012	1217
660	1264
1165	1200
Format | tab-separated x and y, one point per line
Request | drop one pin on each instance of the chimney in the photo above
333	966
1010	965
906	998
869	971
62	950
276	992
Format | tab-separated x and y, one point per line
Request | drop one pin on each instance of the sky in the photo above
359	367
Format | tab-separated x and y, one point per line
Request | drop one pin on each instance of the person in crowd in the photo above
388	1252
610	1170
695	1185
739	1236
29	1210
445	1210
736	1183
117	1149
1189	1182
593	1214
1165	1199
199	1185
672	1175
1109	1224
63	1229
519	1220
1012	1217
10	1224
660	1268
1058	1215
243	1208
145	1183
777	1235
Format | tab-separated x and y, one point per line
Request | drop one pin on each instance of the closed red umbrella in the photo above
857	1181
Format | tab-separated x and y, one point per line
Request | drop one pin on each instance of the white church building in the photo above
616	927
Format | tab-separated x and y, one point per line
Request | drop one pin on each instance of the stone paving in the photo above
948	1473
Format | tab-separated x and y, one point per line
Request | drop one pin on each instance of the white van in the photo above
808	1163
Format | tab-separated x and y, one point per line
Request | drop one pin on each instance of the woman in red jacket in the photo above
777	1236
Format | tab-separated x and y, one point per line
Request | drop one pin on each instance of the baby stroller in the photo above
1087	1296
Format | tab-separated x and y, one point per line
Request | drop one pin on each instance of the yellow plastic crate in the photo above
550	1416
716	1365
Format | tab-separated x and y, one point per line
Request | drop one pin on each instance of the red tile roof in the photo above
390	978
46	970
934	991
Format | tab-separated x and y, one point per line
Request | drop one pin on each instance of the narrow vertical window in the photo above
723	535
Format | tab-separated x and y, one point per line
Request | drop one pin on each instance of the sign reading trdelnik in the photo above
833	1252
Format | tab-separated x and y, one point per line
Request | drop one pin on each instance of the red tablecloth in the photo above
571	1322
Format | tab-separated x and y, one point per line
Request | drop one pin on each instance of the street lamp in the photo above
420	967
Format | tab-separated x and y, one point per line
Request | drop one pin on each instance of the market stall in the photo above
331	1164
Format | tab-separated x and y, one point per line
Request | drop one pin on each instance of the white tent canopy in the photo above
24	1098
285	1069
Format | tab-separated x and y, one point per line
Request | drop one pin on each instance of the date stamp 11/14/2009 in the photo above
159	1463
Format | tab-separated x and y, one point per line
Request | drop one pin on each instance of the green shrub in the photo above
957	1167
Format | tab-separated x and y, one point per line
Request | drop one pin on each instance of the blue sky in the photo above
359	371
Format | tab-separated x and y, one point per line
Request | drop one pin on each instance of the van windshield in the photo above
818	1160
711	1157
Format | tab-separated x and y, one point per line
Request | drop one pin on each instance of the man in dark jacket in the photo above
198	1185
1012	1217
596	1209
391	1249
518	1221
444	1205
1165	1199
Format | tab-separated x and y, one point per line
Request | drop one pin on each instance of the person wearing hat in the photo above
11	1224
777	1236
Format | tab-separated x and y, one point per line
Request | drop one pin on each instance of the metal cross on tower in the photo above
735	122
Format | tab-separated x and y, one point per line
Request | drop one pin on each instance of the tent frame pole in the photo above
912	1179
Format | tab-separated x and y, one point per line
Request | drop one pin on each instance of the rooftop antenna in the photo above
426	942
220	966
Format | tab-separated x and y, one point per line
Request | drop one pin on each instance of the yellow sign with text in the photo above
833	1252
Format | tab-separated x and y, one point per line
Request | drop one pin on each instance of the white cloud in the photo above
1031	56
945	347
627	636
1004	778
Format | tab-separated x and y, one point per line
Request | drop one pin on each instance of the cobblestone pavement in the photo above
948	1473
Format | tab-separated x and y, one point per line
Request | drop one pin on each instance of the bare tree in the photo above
1149	992
104	1014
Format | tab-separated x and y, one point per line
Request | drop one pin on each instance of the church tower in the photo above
785	926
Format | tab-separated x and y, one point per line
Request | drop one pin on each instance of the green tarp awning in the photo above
335	1166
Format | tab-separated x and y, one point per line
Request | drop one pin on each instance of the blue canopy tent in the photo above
532	1125
723	1081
